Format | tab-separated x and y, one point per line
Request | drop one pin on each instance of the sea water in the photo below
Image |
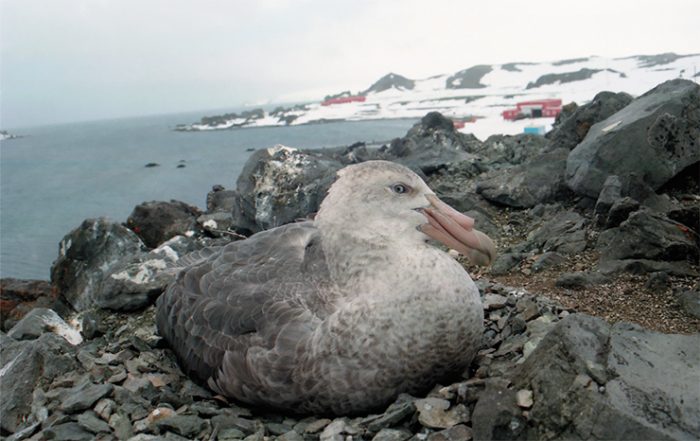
54	177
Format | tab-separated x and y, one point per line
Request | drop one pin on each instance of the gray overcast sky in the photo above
70	60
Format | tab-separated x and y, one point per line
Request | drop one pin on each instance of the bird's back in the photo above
236	299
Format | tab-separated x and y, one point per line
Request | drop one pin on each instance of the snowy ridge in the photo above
488	91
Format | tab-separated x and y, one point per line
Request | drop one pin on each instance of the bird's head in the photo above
381	200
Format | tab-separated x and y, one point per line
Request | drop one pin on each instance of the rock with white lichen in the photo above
106	265
279	185
656	136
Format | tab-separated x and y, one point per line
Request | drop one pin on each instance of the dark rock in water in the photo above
593	380
152	164
157	221
41	320
690	302
648	235
656	136
540	180
468	78
570	129
280	185
180	166
580	280
24	365
18	297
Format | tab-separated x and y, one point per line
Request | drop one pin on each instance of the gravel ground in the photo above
648	300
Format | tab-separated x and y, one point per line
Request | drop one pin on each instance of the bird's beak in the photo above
456	231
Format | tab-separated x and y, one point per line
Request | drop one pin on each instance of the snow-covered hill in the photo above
480	93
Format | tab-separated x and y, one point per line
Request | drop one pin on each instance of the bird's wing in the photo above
258	294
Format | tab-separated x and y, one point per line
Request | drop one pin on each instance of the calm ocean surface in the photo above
56	176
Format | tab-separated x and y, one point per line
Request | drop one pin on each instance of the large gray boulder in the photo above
524	186
571	128
594	380
656	136
88	254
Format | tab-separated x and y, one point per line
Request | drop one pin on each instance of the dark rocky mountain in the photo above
390	81
468	78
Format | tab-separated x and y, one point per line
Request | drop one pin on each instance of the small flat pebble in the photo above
524	398
317	426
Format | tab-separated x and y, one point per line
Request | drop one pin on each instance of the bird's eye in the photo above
399	188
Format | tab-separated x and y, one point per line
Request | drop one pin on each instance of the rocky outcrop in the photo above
468	78
593	380
104	264
648	236
431	145
656	136
280	185
537	181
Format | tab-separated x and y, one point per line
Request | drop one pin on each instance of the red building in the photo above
343	100
548	108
